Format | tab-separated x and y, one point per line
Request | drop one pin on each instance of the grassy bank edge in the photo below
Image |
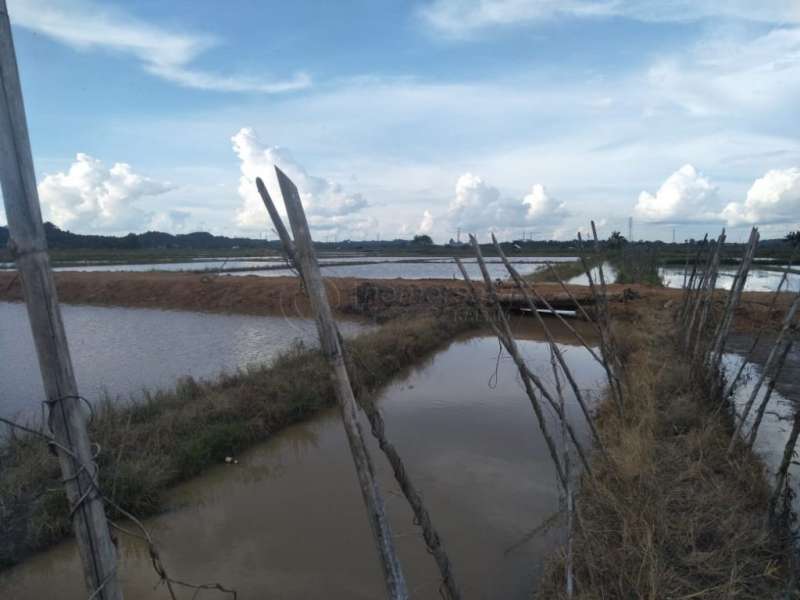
670	515
170	436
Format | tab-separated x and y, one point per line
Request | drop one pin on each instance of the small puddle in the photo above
288	520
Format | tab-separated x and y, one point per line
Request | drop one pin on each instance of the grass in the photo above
637	265
170	436
670	515
565	270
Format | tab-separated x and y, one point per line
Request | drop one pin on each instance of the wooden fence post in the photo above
66	416
308	266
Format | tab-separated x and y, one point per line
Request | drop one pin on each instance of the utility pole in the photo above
67	419
458	235
630	229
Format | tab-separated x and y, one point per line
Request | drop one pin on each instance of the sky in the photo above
397	118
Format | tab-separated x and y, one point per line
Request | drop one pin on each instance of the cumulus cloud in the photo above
461	17
91	197
685	196
327	204
426	225
478	206
773	198
86	24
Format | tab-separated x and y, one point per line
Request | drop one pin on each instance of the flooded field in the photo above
121	351
288	521
758	280
376	267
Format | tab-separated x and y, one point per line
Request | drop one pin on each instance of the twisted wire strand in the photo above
94	491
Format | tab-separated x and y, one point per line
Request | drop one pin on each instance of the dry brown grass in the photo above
670	515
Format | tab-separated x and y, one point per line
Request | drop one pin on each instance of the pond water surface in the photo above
122	351
288	522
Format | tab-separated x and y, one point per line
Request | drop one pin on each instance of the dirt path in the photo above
379	298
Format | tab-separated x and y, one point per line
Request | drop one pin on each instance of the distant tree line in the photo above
151	240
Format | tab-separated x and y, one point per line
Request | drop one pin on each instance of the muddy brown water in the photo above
288	522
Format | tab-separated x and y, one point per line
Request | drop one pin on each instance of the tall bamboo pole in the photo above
329	341
432	539
788	321
762	329
721	334
601	311
503	332
66	418
762	407
554	349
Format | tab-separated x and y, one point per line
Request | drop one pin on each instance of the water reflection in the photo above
288	520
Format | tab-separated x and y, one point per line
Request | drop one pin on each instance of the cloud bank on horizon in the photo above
524	116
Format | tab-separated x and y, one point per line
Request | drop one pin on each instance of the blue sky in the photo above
396	118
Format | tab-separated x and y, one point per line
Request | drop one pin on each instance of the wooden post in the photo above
601	311
768	365
66	417
762	329
306	261
783	470
554	349
762	408
721	333
432	539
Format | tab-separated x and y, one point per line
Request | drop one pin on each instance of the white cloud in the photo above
478	207
773	198
426	225
327	205
459	18
685	196
86	24
91	197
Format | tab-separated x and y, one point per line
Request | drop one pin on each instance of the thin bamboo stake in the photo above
751	438
763	328
503	333
708	301
567	470
66	417
768	365
721	334
703	303
783	470
694	305
552	343
307	264
578	305
689	287
614	383
422	517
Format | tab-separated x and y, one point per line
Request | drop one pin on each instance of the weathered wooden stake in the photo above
721	334
732	385
554	349
762	407
66	417
306	262
783	470
601	311
422	517
788	321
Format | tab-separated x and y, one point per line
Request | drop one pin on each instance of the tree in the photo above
793	237
616	240
423	240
